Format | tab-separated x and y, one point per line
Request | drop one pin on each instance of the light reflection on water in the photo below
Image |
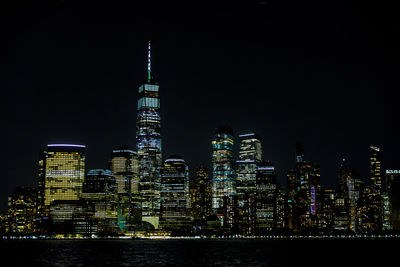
192	252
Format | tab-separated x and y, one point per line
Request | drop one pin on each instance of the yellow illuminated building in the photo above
64	172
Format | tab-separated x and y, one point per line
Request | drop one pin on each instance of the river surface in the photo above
200	252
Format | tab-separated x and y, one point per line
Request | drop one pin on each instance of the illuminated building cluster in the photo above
21	216
142	195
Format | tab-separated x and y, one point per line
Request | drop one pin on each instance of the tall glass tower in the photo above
376	186
265	198
148	143
223	181
250	156
375	169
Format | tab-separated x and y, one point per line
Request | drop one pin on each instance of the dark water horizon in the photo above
202	252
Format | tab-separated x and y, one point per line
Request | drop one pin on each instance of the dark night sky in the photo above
325	73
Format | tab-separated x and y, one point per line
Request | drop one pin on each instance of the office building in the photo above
100	192
250	155
393	190
148	144
200	194
125	167
224	177
61	174
265	198
175	199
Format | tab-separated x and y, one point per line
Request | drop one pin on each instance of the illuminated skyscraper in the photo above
200	194
60	178
386	212
250	155
100	191
366	212
148	142
376	187
280	209
304	193
370	206
346	198
393	190
308	199
327	214
223	181
61	173
265	198
175	200
375	169
293	189
125	167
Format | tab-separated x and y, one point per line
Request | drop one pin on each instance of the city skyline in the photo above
44	105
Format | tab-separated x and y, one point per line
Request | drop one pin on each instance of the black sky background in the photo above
325	73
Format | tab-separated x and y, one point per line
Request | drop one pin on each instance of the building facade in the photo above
61	174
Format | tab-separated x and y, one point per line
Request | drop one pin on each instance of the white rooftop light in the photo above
67	145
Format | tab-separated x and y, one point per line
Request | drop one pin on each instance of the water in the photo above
200	252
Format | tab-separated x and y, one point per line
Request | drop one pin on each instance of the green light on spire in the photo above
148	63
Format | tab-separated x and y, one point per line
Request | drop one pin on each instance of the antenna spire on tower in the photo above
149	62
